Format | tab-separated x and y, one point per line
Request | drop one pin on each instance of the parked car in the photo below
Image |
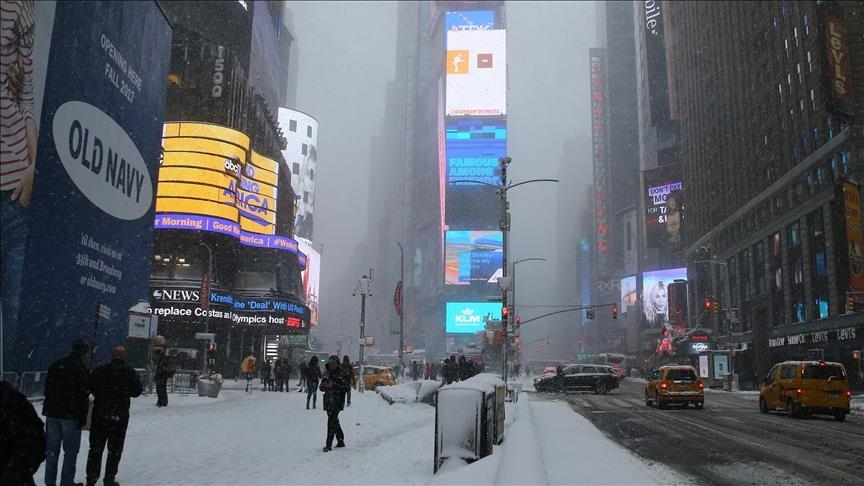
806	387
674	384
580	377
374	376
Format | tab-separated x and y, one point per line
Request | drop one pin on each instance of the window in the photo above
778	279
806	23
292	126
829	127
304	149
801	105
311	174
798	71
795	153
819	264
305	196
774	22
775	244
816	223
309	131
812	99
295	168
787	372
809	62
798	271
786	46
805	144
629	236
816	140
794	239
795	32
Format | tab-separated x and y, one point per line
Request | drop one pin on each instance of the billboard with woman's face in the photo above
655	294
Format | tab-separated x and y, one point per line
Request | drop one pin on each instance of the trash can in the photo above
208	387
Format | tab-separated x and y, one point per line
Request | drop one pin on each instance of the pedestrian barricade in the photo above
12	378
33	384
183	382
469	419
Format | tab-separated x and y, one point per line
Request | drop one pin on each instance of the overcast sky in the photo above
346	54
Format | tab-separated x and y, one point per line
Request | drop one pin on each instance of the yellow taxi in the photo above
374	376
674	384
802	388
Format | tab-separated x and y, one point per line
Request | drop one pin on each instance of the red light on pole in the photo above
614	311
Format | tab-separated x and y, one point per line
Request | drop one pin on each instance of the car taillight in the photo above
701	385
849	393
663	385
799	392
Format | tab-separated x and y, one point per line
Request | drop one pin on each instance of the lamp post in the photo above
205	300
401	308
504	225
363	287
515	309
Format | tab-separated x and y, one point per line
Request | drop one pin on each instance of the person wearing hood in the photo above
65	410
312	376
334	384
349	372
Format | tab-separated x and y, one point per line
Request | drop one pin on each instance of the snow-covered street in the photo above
270	438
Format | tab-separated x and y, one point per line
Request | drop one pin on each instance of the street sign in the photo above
104	311
205	335
204	294
397	299
493	298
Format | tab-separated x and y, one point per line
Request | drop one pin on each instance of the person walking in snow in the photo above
302	374
65	410
112	385
349	372
334	384
312	379
265	374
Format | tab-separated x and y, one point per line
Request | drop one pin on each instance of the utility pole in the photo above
364	288
205	302
400	296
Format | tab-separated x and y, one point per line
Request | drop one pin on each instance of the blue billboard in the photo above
470	20
89	225
470	317
474	146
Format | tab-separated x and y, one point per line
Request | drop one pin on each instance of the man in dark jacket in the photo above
349	373
65	411
112	385
164	370
22	438
312	378
334	384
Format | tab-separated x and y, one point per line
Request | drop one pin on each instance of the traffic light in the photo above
711	305
589	313
715	306
505	313
614	311
518	321
706	305
211	346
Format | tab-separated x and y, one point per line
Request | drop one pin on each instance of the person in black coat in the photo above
112	385
65	411
349	372
334	384
164	369
312	378
22	437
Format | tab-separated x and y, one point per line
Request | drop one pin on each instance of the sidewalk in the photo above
546	442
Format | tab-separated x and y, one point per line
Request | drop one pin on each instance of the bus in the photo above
621	362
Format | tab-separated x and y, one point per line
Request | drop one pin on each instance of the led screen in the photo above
470	20
476	73
470	317
655	301
664	203
628	292
310	276
472	257
474	146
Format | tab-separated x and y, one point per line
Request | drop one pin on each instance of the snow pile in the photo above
415	391
856	404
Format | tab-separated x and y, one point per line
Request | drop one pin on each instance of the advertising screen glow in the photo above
628	292
473	148
470	317
472	257
655	301
310	278
470	20
476	73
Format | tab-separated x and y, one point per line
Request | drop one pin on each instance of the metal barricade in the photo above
33	384
12	378
183	382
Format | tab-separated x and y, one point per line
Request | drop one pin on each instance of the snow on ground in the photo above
270	438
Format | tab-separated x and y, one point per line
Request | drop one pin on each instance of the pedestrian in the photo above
415	370
349	372
462	368
265	374
286	374
559	379
276	375
112	386
22	437
65	410
164	369
302	373
247	367
312	378
334	384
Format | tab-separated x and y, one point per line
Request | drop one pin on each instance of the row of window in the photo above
292	127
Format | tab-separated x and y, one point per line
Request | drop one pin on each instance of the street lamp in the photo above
401	307
205	299
504	225
515	309
364	288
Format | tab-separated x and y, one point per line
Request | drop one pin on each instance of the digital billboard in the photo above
655	299
470	317
628	292
664	206
655	54
470	20
476	73
211	181
599	156
474	146
472	257
310	277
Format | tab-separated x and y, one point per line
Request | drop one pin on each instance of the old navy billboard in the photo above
88	228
